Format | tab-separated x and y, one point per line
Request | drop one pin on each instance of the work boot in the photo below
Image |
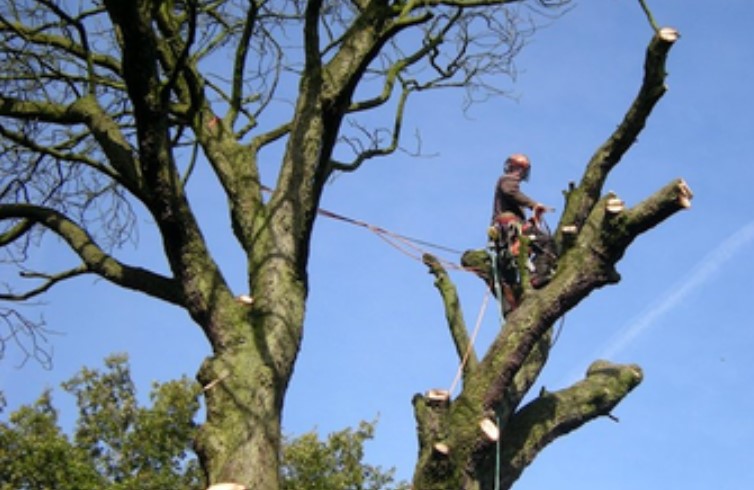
543	270
539	281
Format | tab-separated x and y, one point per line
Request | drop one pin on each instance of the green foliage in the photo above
334	464
118	445
35	454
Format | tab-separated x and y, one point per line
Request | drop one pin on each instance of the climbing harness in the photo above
494	258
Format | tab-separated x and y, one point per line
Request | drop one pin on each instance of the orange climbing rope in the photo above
469	347
412	247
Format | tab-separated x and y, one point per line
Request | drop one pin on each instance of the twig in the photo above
650	18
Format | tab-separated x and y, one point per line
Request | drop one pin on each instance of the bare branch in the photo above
271	136
552	415
175	67
649	15
49	281
581	200
30	337
59	152
86	53
81	51
93	257
453	313
239	64
375	150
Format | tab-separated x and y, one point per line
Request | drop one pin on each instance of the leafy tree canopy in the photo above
108	106
117	444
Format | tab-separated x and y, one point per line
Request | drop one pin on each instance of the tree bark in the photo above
484	437
134	109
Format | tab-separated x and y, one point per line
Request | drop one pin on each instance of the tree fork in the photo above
552	415
580	199
457	444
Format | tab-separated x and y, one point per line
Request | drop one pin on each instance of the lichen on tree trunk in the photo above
483	438
136	96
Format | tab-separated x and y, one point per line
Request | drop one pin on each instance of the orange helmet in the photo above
518	162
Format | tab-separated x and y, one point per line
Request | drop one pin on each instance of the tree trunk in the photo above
240	440
247	377
245	382
483	439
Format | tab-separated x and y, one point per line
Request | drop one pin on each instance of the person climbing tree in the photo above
509	223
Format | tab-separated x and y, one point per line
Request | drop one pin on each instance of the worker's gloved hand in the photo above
540	209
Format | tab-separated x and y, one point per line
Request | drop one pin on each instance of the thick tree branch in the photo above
141	73
37	111
15	232
208	297
94	258
552	415
359	47
592	264
674	197
453	313
239	63
580	200
312	57
233	163
589	265
236	169
515	357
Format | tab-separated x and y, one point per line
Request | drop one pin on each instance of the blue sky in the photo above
375	332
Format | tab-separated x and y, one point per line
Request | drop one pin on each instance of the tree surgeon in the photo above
509	224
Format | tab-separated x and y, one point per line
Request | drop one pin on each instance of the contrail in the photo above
701	273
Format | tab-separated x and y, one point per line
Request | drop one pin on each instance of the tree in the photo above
334	464
119	445
106	107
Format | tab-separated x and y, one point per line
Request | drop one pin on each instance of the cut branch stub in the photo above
614	205
227	486
441	448
669	34
489	429
437	396
581	199
684	194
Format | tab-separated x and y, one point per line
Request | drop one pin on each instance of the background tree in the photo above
118	445
334	464
106	107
